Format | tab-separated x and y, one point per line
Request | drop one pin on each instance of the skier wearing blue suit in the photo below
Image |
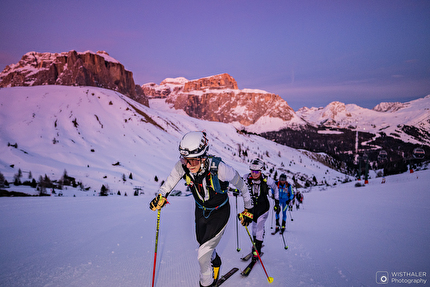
285	196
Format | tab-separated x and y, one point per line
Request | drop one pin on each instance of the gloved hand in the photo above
245	217
158	202
235	192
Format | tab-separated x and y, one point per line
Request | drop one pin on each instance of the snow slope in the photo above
99	135
341	236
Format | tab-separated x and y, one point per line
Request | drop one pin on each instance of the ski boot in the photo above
283	226
216	264
258	245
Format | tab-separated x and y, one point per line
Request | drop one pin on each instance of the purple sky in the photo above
309	52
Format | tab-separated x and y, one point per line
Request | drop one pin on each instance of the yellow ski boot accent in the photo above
216	273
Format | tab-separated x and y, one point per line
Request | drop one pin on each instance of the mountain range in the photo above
398	128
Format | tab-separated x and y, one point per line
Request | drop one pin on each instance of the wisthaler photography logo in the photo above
382	277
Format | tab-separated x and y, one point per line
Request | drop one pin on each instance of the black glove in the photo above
158	202
235	192
245	217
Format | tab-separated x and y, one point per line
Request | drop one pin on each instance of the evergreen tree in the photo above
33	183
17	177
65	179
104	190
42	185
48	183
2	179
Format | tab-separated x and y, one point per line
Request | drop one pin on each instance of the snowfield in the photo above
341	236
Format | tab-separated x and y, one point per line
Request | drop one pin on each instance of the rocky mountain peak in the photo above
222	81
335	108
389	107
217	98
72	69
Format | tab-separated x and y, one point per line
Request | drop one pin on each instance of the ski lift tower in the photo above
356	144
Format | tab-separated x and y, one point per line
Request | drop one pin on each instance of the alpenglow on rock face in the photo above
218	98
72	69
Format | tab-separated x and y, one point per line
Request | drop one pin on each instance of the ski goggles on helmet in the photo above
186	152
255	171
192	161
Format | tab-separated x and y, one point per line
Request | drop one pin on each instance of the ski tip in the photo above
270	279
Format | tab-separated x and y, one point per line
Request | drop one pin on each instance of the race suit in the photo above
212	209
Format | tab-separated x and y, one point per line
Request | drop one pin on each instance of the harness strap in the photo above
210	209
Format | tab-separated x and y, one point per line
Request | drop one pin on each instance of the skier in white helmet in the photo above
208	178
259	187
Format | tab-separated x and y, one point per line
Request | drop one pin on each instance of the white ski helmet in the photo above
256	164
194	144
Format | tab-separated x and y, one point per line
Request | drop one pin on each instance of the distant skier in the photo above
299	197
285	196
259	187
208	178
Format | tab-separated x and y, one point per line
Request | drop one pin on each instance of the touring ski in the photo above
248	268
247	256
226	276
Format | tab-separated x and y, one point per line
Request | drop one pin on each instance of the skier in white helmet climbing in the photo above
259	188
208	178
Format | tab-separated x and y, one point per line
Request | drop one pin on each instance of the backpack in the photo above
218	185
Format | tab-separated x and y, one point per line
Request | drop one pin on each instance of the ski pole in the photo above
291	216
283	239
237	229
271	224
156	245
270	279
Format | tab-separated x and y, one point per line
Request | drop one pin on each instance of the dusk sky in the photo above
309	52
